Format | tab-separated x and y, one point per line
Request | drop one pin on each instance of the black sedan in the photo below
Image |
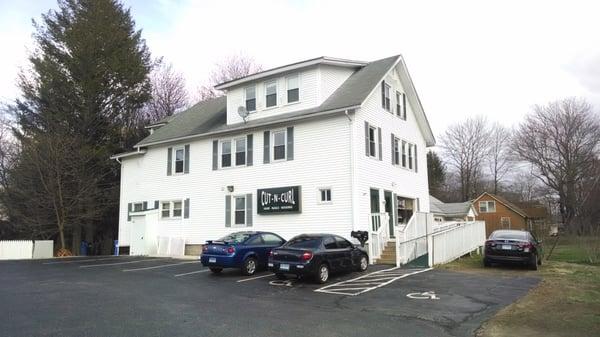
316	256
513	246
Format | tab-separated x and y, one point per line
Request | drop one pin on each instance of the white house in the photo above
323	145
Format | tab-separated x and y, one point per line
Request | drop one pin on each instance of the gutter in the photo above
119	156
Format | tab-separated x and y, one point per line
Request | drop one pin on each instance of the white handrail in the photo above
379	233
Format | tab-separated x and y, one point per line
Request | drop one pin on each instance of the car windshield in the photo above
509	235
236	237
304	242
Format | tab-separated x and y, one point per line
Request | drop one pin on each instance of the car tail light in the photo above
205	248
270	253
307	256
525	245
231	250
490	243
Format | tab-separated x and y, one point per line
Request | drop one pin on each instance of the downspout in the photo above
352	173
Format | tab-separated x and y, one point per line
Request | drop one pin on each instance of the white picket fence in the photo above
454	241
26	249
170	246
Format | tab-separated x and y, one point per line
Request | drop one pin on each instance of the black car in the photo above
516	246
316	256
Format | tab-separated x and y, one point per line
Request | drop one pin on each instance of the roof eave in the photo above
139	152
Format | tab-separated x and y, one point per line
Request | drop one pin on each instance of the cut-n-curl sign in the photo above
278	200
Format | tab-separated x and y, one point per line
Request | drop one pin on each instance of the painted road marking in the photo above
192	272
254	278
83	261
428	295
285	283
369	282
161	266
119	263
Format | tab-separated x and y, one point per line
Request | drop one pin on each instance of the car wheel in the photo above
216	270
533	264
249	266
322	274
486	263
280	276
363	264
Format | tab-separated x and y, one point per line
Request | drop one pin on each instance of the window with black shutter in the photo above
226	153
271	94
293	89
251	98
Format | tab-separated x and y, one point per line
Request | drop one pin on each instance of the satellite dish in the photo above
243	112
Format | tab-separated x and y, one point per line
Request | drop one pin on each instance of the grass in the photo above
565	303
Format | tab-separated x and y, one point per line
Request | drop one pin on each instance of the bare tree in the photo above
169	94
561	140
499	157
465	147
231	68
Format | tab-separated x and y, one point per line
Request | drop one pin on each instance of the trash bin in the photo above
83	248
116	245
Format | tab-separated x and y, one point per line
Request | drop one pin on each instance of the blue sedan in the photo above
245	250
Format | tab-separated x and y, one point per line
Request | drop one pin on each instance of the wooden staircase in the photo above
388	256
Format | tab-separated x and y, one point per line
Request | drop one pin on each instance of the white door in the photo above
138	231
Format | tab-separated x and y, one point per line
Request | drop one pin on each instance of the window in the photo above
329	243
488	206
398	104
385	96
239	214
171	209
372	142
257	240
240	151
325	195
342	243
179	159
403	154
271	94
251	98
226	153
279	140
410	156
396	151
272	239
138	206
293	90
505	222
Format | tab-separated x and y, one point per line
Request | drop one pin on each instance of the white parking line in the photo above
83	261
161	266
192	272
119	263
255	278
353	287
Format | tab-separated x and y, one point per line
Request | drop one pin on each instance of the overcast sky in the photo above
496	58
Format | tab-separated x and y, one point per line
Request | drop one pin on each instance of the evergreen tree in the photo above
436	172
81	102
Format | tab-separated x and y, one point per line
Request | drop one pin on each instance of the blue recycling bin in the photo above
83	248
116	248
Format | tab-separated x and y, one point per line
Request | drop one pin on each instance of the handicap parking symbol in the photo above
283	283
428	295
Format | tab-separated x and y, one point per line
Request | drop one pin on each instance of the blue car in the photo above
245	250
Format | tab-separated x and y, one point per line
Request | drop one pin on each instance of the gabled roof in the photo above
451	209
506	203
210	117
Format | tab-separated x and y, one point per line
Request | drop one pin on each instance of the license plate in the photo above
284	266
212	260
507	247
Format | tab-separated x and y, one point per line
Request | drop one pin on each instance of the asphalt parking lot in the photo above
141	296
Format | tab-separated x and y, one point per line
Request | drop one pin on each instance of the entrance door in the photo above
389	209
138	232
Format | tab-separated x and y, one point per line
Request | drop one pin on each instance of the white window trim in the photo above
266	84
255	97
273	160
493	202
233	204
373	155
175	149
487	206
321	201
288	88
399	141
233	152
171	209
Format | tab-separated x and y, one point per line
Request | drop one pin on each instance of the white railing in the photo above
455	240
379	234
26	249
411	240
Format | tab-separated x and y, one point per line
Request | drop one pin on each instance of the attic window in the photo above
293	91
271	94
251	98
488	206
385	96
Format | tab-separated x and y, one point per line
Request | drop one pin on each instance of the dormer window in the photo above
293	89
385	96
251	98
271	93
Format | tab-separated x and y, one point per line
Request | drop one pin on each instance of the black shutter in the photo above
155	204
383	94
169	160
215	155
290	143
129	209
249	210
145	205
186	168
227	211
186	208
249	155
267	147
367	139
415	154
380	145
393	150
